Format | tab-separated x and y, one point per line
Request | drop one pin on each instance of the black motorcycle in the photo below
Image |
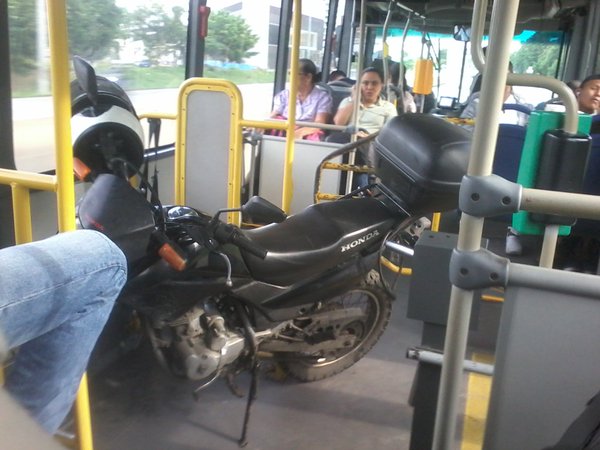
306	291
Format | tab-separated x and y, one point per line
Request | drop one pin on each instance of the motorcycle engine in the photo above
197	344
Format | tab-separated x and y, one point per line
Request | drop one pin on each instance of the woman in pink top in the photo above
312	104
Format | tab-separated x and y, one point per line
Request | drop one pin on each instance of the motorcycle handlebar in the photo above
227	233
243	242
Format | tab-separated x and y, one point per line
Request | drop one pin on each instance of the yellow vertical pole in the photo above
59	71
180	145
288	182
82	414
435	222
22	214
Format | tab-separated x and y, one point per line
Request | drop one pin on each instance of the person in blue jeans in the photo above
55	298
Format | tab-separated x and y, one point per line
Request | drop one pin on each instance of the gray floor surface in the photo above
137	405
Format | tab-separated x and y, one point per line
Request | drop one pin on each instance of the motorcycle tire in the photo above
378	307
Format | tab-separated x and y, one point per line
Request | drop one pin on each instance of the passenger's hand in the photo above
304	131
354	95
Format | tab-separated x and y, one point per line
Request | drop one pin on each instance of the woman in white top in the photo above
373	112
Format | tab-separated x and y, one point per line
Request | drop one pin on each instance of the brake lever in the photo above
228	281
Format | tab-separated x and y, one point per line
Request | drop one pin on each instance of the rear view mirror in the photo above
462	33
86	77
262	211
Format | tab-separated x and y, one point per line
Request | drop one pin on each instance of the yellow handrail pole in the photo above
394	268
288	182
61	94
166	116
59	70
180	145
234	171
265	124
21	182
30	180
234	176
22	214
435	221
83	416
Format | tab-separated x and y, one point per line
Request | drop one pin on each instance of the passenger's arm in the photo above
324	107
323	117
301	132
409	103
344	112
470	110
279	104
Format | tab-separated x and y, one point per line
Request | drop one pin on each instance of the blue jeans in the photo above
55	297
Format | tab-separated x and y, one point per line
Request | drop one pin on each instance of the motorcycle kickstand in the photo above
251	397
251	337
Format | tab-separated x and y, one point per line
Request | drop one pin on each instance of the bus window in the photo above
249	59
537	52
139	46
532	52
142	46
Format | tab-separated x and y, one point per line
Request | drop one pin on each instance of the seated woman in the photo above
373	112
312	104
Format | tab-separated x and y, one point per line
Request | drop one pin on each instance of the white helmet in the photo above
107	130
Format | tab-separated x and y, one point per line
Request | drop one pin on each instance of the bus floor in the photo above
136	404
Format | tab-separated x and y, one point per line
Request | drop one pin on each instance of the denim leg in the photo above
361	180
55	297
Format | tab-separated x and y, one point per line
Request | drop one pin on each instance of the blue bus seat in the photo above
591	185
591	182
509	147
339	93
517	107
595	129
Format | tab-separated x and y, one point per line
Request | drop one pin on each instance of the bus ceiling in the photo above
440	16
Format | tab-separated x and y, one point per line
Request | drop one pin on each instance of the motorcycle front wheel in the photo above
376	307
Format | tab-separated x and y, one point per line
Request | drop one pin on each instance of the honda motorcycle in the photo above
306	290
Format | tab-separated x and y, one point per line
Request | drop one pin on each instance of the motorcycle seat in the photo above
316	239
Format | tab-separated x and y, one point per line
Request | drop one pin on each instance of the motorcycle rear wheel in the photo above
377	307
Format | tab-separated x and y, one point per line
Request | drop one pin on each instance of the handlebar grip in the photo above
171	256
170	252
